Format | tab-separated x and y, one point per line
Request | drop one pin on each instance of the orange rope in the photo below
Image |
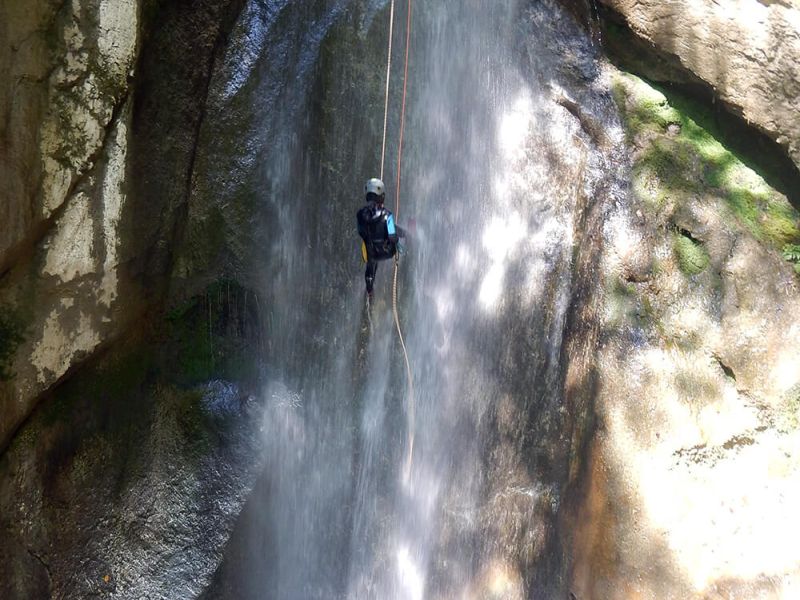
411	411
403	110
388	76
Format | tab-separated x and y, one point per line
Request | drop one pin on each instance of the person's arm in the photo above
362	226
392	229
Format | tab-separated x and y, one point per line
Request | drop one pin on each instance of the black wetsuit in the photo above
380	234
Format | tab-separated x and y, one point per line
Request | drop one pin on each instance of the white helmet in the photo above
375	186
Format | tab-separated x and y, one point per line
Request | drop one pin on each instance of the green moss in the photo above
211	336
622	300
682	156
692	256
668	170
696	387
790	413
191	341
12	334
791	252
642	106
624	288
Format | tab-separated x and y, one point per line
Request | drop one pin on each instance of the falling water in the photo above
496	173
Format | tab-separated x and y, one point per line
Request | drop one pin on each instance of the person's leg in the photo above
369	274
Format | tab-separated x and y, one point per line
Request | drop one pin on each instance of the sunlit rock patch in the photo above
746	51
699	372
66	187
85	90
676	157
66	294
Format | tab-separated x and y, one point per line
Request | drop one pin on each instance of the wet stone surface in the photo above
131	497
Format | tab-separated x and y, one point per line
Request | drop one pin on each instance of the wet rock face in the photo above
127	479
128	496
749	54
112	483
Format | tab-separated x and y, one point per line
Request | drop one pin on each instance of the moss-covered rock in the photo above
12	330
692	257
213	335
699	370
745	58
679	157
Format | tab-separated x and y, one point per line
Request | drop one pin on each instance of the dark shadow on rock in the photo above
180	46
137	458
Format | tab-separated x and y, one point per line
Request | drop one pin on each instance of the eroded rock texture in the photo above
63	163
124	490
748	52
690	489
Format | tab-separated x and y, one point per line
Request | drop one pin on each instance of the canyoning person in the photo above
377	229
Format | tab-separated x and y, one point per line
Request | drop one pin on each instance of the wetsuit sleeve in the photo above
391	228
362	226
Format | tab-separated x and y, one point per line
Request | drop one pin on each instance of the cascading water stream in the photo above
495	174
495	214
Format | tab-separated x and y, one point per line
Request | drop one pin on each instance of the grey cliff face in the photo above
109	484
68	66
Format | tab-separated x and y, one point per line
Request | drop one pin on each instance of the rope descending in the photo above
403	111
386	95
409	376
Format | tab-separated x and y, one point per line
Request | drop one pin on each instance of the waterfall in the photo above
496	173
